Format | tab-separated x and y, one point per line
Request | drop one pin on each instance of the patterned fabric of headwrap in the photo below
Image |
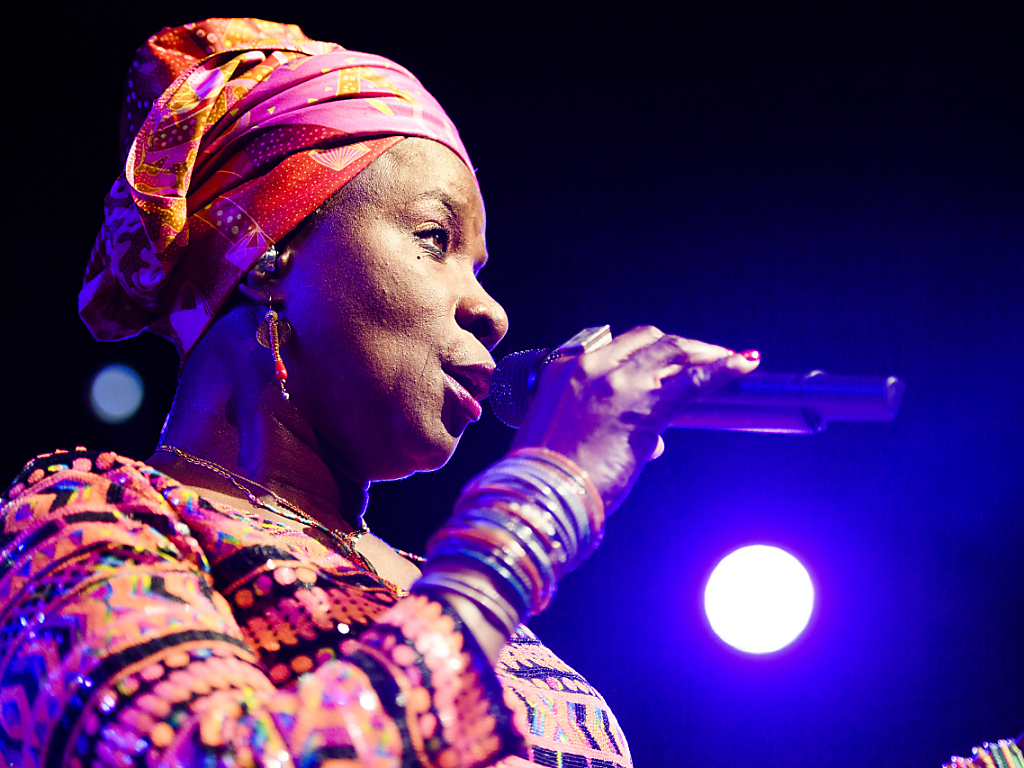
252	126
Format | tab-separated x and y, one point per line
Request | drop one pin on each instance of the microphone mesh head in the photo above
509	397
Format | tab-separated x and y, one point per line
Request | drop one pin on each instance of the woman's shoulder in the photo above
69	500
73	467
80	504
82	485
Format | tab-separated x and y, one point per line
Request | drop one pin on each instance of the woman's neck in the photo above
341	511
230	429
218	485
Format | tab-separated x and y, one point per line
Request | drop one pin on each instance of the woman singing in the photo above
304	224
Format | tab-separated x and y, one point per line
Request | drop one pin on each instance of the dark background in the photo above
839	188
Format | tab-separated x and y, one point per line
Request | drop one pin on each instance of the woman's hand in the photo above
606	409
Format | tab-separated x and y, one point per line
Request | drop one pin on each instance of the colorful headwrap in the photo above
252	126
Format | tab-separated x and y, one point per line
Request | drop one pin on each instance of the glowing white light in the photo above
759	599
116	394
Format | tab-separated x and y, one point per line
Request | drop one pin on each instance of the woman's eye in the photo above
434	240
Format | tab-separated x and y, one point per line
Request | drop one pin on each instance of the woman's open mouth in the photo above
470	385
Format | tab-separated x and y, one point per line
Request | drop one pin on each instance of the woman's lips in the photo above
469	403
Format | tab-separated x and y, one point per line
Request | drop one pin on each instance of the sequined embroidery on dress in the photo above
141	625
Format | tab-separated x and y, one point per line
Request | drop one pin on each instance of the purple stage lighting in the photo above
115	394
759	599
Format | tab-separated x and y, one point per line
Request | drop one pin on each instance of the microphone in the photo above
780	403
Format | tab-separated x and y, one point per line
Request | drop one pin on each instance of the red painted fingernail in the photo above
751	354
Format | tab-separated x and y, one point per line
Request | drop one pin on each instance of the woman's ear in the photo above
263	283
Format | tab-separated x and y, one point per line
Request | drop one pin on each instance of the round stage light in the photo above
759	599
115	394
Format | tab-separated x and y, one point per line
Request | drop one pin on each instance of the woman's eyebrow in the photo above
449	202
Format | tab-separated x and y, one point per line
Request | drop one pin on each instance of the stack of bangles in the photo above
526	521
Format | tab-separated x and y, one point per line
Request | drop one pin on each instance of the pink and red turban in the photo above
237	130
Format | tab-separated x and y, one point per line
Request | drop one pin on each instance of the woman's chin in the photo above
426	454
437	458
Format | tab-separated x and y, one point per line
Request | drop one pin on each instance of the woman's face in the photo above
390	354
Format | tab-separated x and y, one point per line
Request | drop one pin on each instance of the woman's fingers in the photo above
606	409
671	371
653	346
684	383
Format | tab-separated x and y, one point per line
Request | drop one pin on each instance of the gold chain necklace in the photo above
346	541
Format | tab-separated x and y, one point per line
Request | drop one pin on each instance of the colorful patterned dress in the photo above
141	625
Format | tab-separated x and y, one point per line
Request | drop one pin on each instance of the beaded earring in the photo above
274	331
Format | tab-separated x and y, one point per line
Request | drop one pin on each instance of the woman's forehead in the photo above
421	170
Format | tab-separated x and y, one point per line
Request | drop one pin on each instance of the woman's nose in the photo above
482	316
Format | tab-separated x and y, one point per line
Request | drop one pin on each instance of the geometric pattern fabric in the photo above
142	625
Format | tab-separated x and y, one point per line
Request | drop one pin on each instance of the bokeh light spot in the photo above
759	599
115	394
